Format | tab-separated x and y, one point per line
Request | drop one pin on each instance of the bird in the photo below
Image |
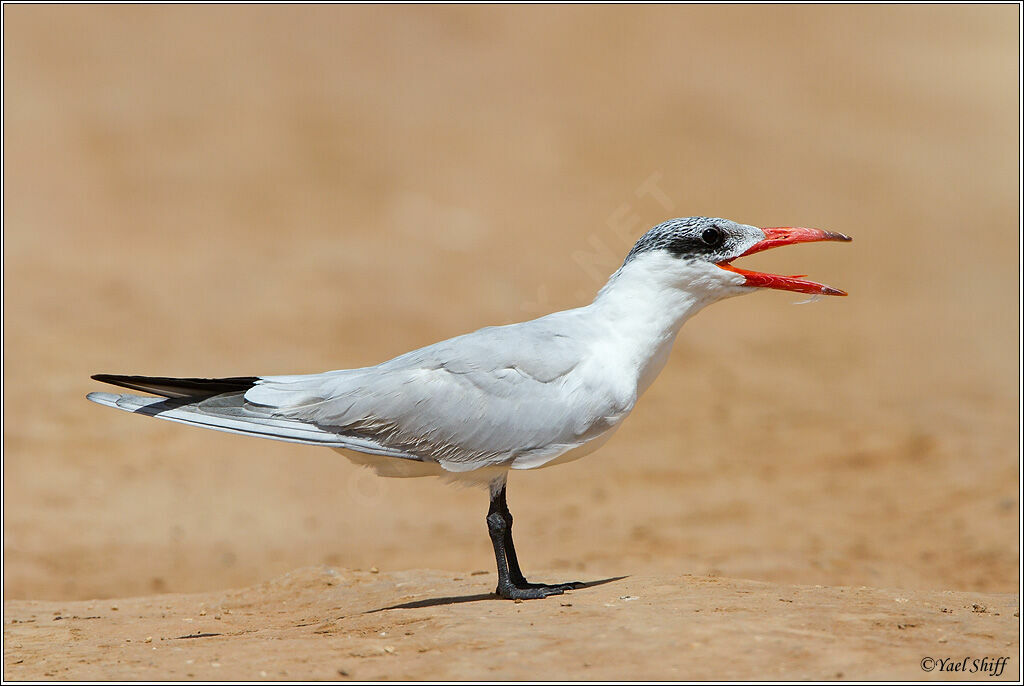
515	397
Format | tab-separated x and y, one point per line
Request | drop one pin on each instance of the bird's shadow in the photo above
455	600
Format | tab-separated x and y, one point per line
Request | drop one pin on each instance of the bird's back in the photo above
526	392
515	396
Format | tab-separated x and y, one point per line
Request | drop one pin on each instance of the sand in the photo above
324	623
220	191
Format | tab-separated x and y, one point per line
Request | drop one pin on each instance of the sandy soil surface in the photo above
216	192
322	623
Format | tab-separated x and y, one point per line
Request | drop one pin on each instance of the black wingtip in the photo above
172	387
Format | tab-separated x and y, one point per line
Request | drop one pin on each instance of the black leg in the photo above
515	572
511	582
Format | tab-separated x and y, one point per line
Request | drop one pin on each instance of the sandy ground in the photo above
322	623
217	191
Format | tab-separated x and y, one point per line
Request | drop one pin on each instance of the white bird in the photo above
522	396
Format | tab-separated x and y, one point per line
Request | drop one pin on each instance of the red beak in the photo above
787	235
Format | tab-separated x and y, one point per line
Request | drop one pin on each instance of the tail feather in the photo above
172	387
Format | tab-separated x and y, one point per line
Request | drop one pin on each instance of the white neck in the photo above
642	308
650	298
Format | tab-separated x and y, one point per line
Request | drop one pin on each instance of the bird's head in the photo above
696	254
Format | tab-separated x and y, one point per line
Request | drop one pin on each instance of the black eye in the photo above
712	237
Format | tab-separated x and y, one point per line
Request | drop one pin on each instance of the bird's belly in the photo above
536	460
392	467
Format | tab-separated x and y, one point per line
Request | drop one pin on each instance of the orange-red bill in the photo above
787	235
782	283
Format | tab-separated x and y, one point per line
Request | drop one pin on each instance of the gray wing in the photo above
481	399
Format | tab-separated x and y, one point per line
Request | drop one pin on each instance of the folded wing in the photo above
486	398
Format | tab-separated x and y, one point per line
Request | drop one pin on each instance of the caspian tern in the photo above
522	396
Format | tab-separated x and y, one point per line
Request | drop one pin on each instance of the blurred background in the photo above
220	191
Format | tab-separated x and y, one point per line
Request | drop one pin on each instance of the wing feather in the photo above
519	395
476	400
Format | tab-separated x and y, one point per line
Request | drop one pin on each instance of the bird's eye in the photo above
712	237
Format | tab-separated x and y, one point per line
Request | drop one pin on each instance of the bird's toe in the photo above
532	592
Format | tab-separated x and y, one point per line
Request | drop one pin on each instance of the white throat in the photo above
646	302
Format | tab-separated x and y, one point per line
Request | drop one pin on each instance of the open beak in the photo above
786	235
